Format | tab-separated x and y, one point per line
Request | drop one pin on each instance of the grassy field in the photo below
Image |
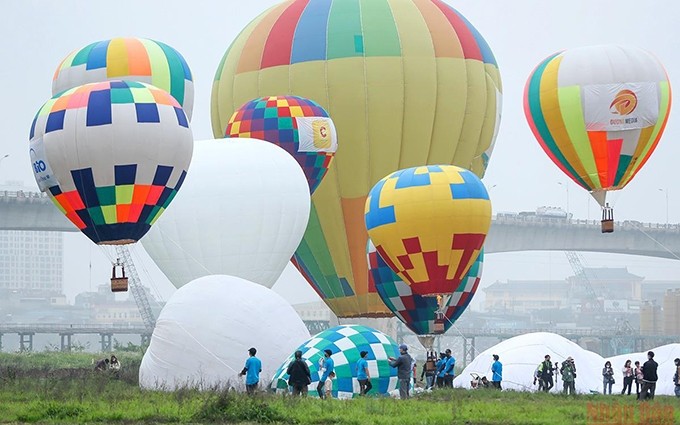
59	388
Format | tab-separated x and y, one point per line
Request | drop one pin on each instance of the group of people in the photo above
440	371
545	372
108	364
645	377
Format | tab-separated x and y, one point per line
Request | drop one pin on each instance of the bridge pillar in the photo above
66	342
26	341
106	342
146	340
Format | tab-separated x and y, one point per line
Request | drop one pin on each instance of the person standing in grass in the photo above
628	375
252	370
676	377
496	372
441	366
328	367
638	378
649	377
449	369
363	376
568	371
607	377
546	369
403	364
299	376
328	386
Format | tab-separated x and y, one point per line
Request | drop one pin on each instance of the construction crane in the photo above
596	304
138	292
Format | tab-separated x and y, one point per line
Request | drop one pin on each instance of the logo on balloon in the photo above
624	103
322	138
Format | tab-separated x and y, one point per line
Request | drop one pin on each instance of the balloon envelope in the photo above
203	333
346	343
111	156
598	112
415	311
300	126
429	225
129	59
406	82
242	212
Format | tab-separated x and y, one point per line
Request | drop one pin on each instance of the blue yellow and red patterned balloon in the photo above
111	156
429	224
419	313
298	125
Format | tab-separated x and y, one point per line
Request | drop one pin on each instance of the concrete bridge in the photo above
66	332
35	211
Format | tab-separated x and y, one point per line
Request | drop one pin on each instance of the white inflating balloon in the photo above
521	355
664	356
204	331
242	211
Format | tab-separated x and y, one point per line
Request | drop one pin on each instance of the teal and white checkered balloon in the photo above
346	342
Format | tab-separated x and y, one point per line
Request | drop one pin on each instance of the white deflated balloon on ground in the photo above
204	331
242	211
664	356
521	355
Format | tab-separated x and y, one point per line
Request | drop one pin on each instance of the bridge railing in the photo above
76	328
596	333
20	196
575	222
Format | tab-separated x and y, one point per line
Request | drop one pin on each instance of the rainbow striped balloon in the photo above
407	83
598	112
129	59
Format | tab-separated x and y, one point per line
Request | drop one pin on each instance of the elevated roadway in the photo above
509	233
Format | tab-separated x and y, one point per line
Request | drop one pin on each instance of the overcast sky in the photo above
37	35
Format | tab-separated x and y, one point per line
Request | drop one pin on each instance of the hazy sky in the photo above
37	35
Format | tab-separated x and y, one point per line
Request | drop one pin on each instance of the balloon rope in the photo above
183	250
202	346
133	250
639	227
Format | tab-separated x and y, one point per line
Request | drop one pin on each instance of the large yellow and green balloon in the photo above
406	82
598	113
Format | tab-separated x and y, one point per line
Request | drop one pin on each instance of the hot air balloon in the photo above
300	126
407	82
111	156
128	59
419	313
599	112
429	225
242	212
346	342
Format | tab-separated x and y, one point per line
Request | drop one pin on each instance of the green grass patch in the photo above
56	388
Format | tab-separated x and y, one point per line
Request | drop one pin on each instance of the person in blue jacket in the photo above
449	369
328	367
497	372
363	375
252	371
441	363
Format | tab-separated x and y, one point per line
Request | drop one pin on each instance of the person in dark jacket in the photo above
676	377
649	377
607	377
546	370
403	364
299	375
429	371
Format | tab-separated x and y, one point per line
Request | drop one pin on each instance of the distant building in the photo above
31	262
524	296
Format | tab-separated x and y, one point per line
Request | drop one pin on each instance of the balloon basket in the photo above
119	282
607	219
